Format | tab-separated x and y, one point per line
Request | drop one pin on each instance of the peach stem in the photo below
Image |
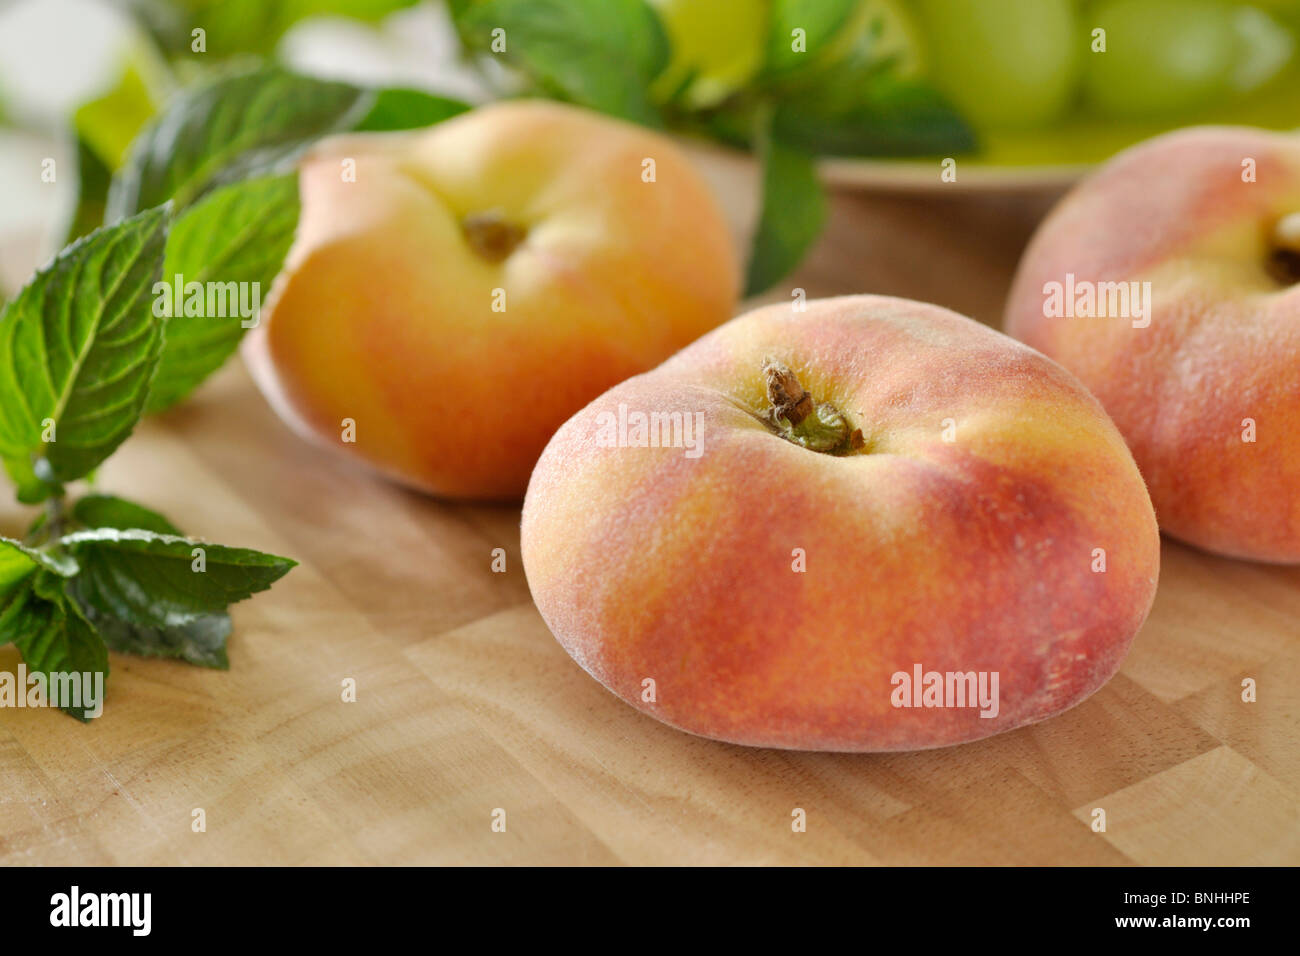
817	426
788	398
491	235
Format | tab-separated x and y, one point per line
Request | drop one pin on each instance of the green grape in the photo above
1005	63
718	42
1162	57
1265	47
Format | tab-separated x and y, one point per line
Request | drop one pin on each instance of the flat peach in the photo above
972	510
470	286
1205	385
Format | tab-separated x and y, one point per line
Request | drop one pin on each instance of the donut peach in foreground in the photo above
1169	282
872	525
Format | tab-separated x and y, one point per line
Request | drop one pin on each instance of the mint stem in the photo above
49	527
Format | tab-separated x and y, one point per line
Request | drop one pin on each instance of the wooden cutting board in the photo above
466	704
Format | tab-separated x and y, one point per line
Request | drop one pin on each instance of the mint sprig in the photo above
80	347
99	337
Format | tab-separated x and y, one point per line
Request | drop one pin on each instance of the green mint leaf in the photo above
853	92
93	178
408	109
78	347
222	255
110	511
228	129
885	117
17	563
198	639
250	124
16	559
602	54
822	22
793	213
52	636
150	580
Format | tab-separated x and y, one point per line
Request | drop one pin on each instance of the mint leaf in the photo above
851	93
232	243
78	347
227	129
253	123
196	639
148	579
793	213
110	511
398	108
13	554
17	563
602	54
885	117
53	636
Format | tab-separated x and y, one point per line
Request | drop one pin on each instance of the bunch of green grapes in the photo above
1016	64
1026	63
718	45
1169	57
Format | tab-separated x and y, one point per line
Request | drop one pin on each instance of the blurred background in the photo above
1025	94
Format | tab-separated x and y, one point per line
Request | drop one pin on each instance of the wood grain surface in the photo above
465	702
